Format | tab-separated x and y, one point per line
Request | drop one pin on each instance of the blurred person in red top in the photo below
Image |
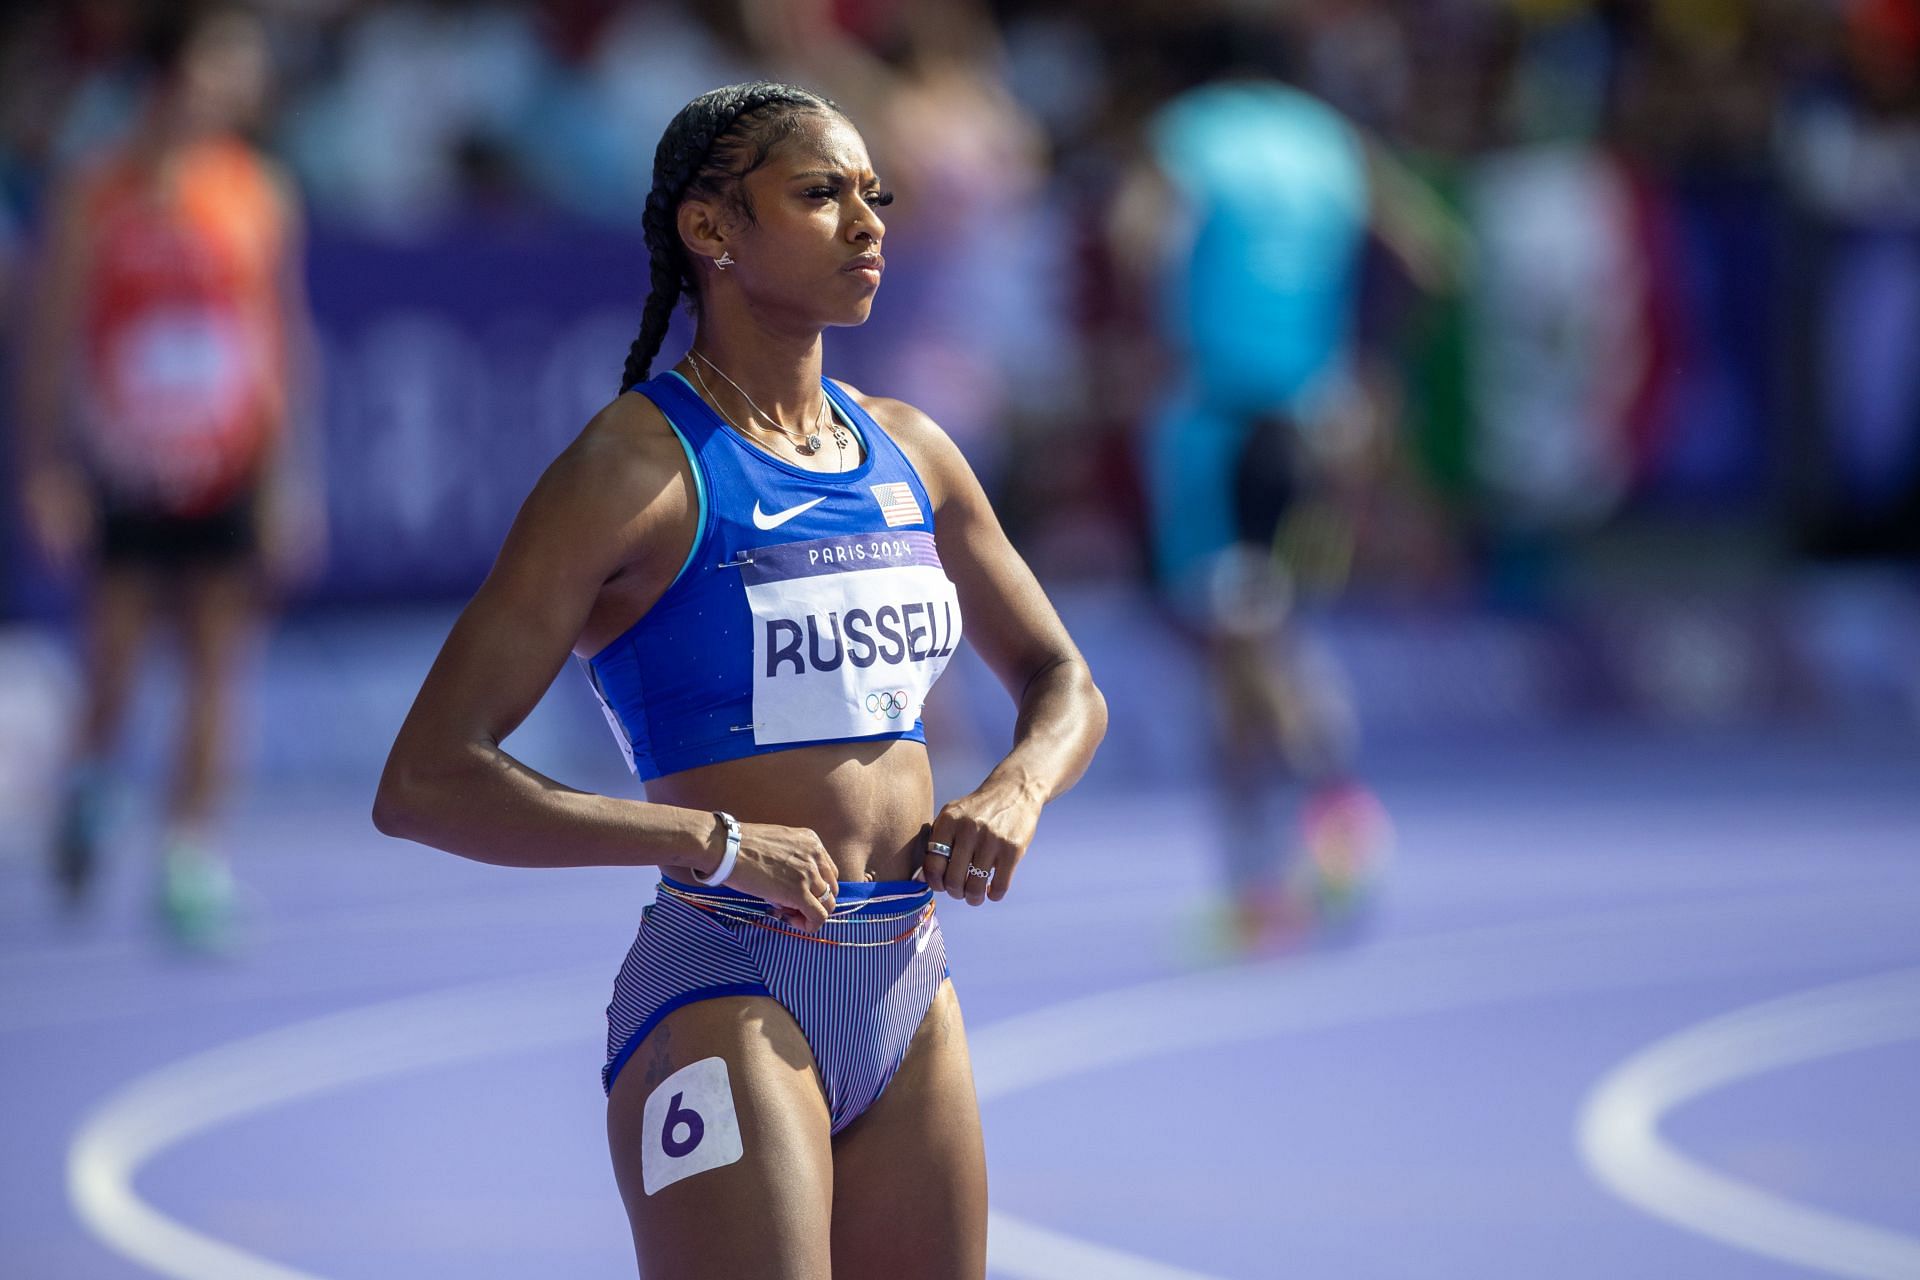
154	414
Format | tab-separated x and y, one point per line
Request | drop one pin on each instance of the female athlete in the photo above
763	571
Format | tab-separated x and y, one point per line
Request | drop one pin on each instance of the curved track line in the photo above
252	1075
1430	973
1619	1127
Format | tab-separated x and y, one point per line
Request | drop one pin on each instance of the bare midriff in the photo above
869	802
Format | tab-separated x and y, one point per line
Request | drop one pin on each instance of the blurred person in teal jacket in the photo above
1246	218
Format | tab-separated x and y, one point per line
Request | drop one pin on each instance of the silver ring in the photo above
975	871
944	850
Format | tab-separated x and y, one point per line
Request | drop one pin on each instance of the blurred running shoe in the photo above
1329	878
197	897
78	833
1348	840
1271	921
1254	923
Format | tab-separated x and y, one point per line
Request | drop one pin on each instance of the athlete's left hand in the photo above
988	829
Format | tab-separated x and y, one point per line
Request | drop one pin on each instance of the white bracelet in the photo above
730	857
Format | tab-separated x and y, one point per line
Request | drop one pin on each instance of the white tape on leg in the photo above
690	1125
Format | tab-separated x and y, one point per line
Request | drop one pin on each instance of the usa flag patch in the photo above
897	503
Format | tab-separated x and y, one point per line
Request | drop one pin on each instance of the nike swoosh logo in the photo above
761	520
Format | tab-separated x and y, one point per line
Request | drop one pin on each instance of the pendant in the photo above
813	444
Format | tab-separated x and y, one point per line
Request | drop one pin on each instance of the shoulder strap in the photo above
687	412
870	432
885	452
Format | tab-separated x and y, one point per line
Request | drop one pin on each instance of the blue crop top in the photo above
812	608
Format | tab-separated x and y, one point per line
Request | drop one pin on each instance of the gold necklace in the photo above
838	440
809	443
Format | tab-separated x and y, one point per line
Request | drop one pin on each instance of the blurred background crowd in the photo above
1667	410
1601	535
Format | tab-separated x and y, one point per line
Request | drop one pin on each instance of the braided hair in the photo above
716	140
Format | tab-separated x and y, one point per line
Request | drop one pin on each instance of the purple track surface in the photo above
1406	1104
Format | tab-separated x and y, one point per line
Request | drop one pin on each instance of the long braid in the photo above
667	267
716	140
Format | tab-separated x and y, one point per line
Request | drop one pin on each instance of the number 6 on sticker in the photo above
677	1116
690	1125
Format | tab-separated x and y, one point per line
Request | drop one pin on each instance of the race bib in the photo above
849	634
691	1125
181	371
172	400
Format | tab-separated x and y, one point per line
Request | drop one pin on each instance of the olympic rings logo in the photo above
891	703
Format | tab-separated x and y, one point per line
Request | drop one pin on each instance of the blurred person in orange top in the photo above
158	464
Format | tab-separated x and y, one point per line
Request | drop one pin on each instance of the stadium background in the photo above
1644	525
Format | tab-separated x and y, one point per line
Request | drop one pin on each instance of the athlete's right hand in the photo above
789	867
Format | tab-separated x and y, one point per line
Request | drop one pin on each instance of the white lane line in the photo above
1609	950
458	1025
28	1003
66	958
1619	1126
1216	1007
247	1076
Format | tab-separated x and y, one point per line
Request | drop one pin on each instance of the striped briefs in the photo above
858	1005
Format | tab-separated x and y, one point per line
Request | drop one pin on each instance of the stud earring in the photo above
724	261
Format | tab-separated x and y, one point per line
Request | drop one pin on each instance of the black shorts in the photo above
1265	481
132	536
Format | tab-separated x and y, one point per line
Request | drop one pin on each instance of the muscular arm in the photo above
617	497
1062	715
1432	245
52	327
292	510
55	499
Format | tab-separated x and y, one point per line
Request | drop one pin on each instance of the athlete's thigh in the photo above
119	613
218	617
910	1175
720	1112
